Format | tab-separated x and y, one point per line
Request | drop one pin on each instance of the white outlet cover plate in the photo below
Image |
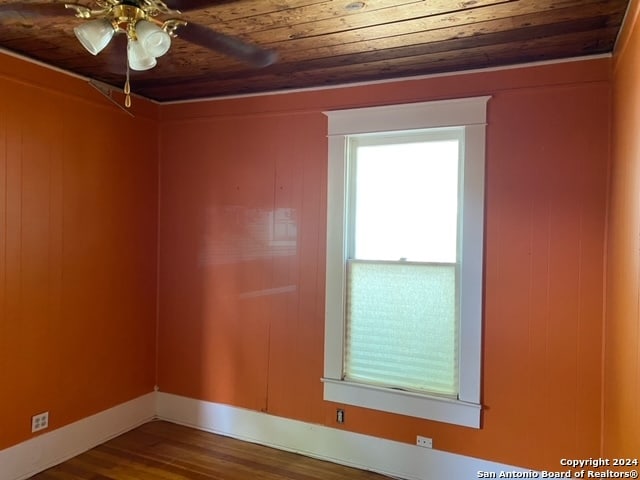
39	422
424	442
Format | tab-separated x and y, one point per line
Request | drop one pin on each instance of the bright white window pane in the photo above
406	201
402	328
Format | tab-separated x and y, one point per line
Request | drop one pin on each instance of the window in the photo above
404	259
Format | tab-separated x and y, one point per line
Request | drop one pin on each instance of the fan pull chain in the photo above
127	90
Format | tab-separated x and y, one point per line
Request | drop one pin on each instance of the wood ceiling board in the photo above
324	43
441	62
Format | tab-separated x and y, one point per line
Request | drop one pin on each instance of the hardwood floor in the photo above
163	450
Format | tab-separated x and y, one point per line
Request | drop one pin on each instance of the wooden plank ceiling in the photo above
329	42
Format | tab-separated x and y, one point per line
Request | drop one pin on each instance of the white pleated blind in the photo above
401	326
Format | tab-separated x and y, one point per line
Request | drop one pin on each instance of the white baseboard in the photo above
370	453
391	458
32	456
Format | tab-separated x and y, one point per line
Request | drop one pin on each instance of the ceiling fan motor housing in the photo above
124	17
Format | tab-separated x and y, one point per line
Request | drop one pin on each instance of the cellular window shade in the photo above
401	326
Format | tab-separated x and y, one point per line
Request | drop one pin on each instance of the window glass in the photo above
406	200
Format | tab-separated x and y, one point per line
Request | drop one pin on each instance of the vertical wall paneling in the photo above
4	221
296	328
621	422
543	188
238	279
78	201
238	174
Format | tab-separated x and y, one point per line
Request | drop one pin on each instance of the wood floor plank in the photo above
166	451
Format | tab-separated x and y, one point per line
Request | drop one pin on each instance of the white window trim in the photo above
467	112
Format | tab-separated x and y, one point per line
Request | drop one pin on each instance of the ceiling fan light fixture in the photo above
154	39
95	35
138	57
149	38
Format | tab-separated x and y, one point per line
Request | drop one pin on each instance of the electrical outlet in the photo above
39	422
424	442
340	415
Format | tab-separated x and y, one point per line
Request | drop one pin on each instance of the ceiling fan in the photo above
148	34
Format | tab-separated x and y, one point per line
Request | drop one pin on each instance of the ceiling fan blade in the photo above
190	5
231	46
26	11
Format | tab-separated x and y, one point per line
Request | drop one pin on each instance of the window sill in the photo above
413	404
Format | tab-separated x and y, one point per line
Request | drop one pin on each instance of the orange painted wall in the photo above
622	335
78	230
242	255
